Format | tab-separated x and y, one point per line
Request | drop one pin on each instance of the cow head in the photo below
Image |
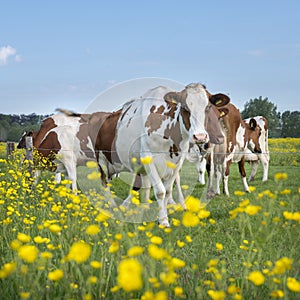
22	141
253	132
204	125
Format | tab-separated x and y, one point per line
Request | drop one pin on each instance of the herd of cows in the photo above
165	126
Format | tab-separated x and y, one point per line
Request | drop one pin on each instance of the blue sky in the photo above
64	53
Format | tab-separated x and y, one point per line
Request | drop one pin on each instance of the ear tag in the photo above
222	114
173	101
218	102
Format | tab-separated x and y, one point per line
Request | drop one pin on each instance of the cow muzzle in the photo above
200	138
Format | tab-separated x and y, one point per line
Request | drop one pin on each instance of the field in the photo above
58	245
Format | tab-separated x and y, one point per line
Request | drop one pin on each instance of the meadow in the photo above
58	245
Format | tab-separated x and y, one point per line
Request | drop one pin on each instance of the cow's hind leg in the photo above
241	164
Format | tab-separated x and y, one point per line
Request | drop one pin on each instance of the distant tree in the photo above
263	107
290	124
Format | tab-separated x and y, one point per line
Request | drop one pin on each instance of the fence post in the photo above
29	156
10	148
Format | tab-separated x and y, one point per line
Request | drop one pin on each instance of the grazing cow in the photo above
161	127
264	157
67	140
239	136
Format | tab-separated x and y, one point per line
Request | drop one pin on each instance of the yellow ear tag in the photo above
173	101
218	102
222	114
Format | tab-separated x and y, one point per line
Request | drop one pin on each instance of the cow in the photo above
67	140
161	126
264	157
240	136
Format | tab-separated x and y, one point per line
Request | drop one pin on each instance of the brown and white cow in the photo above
240	136
161	127
264	156
67	140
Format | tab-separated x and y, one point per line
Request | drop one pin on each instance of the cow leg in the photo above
241	164
179	192
37	174
160	194
254	167
200	166
136	186
225	178
58	177
265	163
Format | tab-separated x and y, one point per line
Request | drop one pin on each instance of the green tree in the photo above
263	107
290	124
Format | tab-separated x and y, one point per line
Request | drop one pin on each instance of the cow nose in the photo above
201	138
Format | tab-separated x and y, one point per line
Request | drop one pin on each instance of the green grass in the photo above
250	242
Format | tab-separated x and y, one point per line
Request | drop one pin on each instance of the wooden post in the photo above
10	148
29	156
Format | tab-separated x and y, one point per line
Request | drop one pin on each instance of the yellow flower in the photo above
130	275
94	175
46	254
177	263
277	294
282	265
92	280
40	240
256	277
219	246
55	228
216	295
239	193
24	295
15	244
96	264
293	284
188	238
56	275
156	240
146	160
79	252
7	269
170	165
189	219
193	204
168	278
28	253
252	210
160	295
156	252
178	291
114	247
285	192
135	251
203	214
24	238
180	244
91	164
92	229
280	176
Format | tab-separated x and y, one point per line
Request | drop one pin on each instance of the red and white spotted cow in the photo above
67	140
264	156
162	126
240	136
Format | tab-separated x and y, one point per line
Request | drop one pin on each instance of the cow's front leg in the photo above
241	164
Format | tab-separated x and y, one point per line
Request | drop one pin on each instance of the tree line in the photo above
286	124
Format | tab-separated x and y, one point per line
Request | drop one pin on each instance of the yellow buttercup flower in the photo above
156	240
135	251
56	275
91	164
146	160
28	253
92	229
55	228
293	284
189	219
96	264
252	210
130	275
282	265
24	238
219	246
79	252
280	176
216	295
256	277
156	252
170	165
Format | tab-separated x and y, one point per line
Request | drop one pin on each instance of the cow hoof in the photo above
210	195
164	223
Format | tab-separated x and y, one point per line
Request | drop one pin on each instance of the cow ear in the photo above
252	124
172	97
219	99
223	112
30	133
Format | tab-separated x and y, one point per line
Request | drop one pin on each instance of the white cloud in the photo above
6	52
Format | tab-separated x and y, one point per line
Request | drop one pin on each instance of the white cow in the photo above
161	128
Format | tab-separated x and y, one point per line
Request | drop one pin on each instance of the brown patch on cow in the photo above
155	119
48	149
106	137
173	151
82	135
46	126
